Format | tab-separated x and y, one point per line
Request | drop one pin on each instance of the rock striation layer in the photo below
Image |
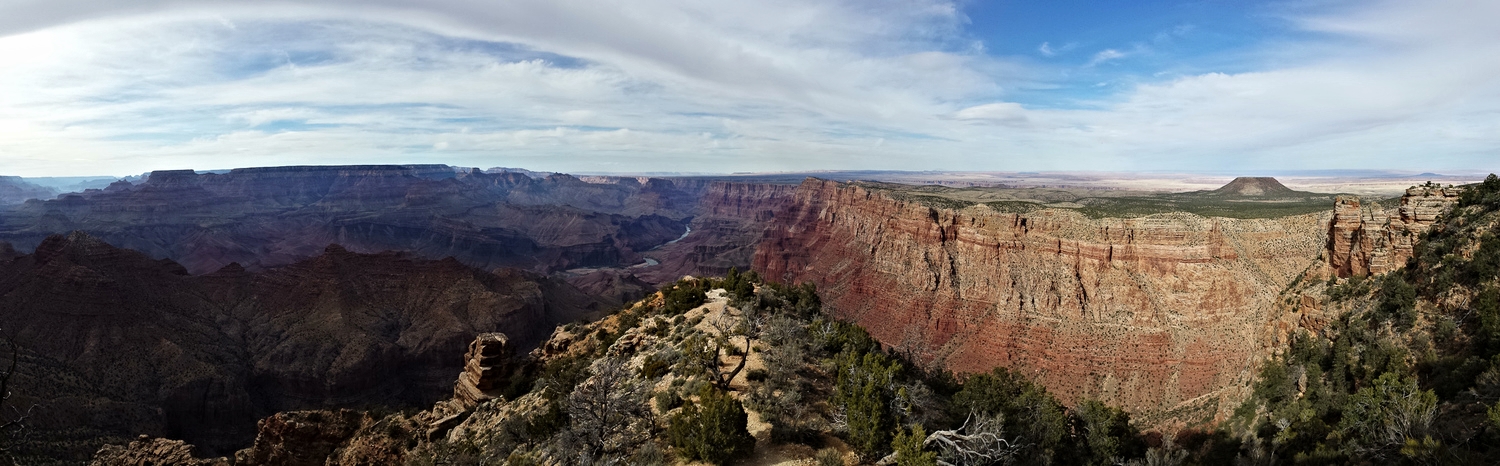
1369	240
1156	314
486	366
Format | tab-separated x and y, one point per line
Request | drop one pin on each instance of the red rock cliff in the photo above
1157	314
1368	240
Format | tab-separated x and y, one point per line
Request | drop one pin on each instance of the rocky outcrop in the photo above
120	344
1156	314
486	367
266	217
148	451
1368	240
302	438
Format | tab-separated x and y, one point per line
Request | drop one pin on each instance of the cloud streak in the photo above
657	85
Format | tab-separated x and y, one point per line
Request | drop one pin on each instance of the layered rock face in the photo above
264	217
1369	240
118	344
1156	314
485	368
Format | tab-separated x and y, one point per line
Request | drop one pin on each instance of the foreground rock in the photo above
148	451
485	368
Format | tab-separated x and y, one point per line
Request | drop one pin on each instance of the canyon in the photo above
1155	314
15	190
219	298
117	343
264	217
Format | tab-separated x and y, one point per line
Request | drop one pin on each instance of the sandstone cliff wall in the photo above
1369	240
1156	314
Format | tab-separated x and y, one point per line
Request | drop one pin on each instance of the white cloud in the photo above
1000	111
654	85
1106	55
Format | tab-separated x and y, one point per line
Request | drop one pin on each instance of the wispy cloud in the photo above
655	85
1106	55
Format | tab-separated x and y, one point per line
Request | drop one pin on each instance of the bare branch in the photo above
979	441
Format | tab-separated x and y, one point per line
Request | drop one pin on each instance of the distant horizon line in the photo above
1363	172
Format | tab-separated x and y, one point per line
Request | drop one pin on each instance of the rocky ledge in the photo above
1366	239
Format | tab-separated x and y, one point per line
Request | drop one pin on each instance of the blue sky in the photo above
101	87
1097	48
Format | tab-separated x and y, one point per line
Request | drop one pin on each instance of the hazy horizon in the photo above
1364	182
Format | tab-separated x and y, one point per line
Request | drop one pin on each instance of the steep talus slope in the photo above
264	217
1153	314
117	343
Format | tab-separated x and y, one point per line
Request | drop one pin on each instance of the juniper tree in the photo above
609	413
712	429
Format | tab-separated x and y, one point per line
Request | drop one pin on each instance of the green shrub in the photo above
756	375
683	296
908	448
1485	194
667	401
828	457
864	393
835	337
712	430
1398	301
1027	409
655	366
1388	414
1105	434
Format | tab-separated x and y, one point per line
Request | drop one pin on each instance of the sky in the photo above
101	87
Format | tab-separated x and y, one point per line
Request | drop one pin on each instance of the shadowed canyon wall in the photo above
1156	314
116	343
